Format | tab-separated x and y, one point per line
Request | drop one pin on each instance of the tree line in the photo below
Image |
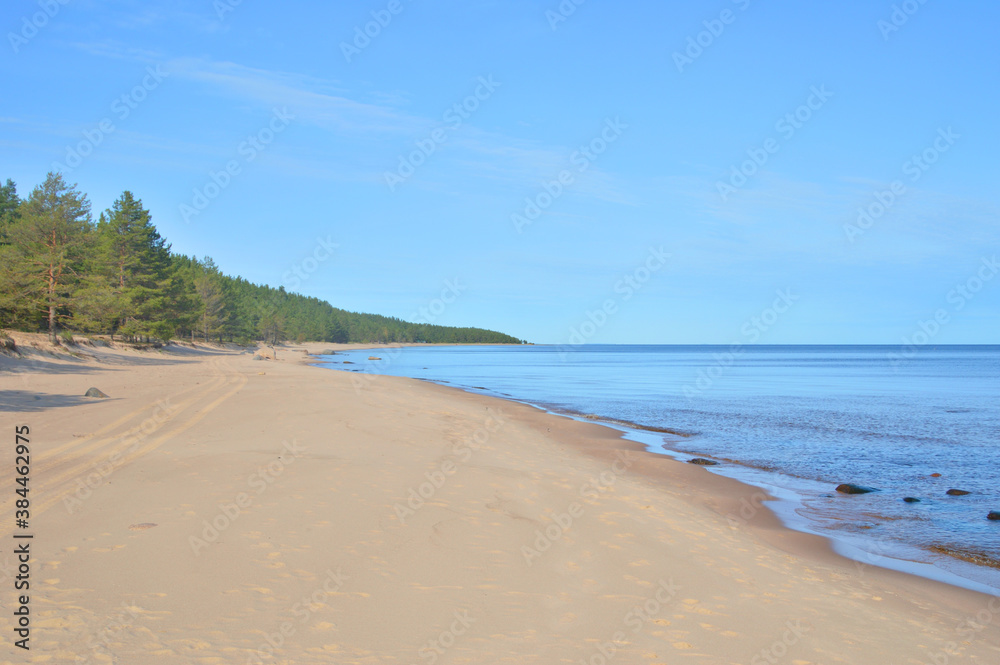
61	272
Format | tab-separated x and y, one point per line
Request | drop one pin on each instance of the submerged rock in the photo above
935	475
994	515
954	492
911	499
701	461
374	358
94	392
850	488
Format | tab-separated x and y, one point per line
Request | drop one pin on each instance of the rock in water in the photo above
94	392
954	492
935	475
701	461
994	515
850	488
374	358
911	499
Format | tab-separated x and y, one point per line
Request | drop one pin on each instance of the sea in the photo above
796	421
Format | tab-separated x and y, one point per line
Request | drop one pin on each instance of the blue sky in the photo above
832	99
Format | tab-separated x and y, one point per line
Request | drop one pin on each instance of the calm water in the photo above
797	419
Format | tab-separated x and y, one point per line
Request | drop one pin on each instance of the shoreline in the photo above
547	532
939	565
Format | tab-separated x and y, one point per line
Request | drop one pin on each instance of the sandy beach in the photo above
218	509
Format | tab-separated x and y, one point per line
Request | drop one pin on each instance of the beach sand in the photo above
217	509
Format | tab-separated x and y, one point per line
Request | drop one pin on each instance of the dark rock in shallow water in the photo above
701	461
911	499
994	515
954	492
94	392
850	488
935	475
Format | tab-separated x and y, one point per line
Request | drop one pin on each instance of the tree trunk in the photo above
52	306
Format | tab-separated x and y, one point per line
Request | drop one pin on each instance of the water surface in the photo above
798	419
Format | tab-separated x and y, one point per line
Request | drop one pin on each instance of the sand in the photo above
218	509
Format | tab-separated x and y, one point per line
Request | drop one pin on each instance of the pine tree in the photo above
10	205
48	246
208	288
136	264
9	214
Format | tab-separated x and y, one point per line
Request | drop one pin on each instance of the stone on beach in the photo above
264	354
701	461
94	392
850	488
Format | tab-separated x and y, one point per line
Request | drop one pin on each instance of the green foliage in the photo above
118	277
9	209
48	246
